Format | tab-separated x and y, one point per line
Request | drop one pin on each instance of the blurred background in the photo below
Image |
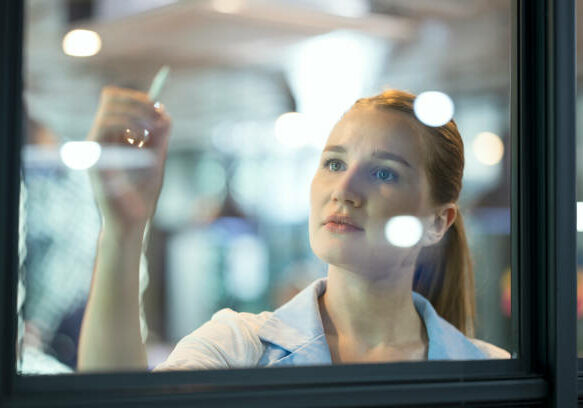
231	225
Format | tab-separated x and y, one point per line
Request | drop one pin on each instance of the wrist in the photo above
123	232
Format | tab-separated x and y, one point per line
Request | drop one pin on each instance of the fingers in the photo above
129	117
117	128
135	101
114	92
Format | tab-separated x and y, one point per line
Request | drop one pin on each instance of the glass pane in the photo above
200	173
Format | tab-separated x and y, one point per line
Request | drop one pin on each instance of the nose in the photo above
348	189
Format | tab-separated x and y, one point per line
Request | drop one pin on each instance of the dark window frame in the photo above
543	265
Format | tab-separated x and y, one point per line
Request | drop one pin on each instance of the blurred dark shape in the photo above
65	341
79	10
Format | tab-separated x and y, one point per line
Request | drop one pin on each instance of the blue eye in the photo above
334	165
385	174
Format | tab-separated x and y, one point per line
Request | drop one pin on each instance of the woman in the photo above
379	162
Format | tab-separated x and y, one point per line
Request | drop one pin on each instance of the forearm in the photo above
110	336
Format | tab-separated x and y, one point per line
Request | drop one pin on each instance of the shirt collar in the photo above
446	342
297	327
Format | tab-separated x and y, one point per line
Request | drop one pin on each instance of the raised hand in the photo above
133	132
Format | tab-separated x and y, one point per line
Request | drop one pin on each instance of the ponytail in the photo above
444	275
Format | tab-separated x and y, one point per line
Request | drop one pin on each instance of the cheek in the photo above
312	190
391	202
315	193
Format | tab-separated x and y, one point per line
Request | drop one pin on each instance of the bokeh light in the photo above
403	231
81	43
80	155
433	108
488	148
506	292
292	130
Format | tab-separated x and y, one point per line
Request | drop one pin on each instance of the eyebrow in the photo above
379	154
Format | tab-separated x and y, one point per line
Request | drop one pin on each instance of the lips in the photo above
341	224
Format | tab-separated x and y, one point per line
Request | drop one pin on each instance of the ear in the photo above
439	222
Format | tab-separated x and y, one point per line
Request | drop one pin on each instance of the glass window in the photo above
192	166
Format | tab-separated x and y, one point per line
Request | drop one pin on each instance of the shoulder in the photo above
248	322
491	351
228	340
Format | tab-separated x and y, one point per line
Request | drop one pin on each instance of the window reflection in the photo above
242	222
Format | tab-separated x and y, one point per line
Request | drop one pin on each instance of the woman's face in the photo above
370	171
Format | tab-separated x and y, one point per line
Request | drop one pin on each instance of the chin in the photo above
372	263
345	255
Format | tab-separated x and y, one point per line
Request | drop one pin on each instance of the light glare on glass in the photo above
403	231
433	108
80	155
580	216
81	43
488	148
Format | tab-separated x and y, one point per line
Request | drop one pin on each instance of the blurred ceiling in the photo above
260	33
459	45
